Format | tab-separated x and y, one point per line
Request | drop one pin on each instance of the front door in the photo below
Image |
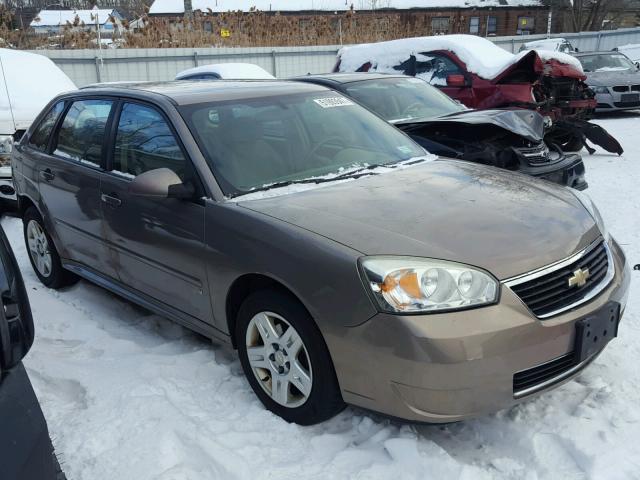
68	170
157	243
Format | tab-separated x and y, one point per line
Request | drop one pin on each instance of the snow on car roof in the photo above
481	56
545	43
232	71
29	82
61	17
160	7
631	50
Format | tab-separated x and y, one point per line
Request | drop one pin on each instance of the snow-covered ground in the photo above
129	395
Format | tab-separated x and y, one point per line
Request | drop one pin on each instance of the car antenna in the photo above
6	87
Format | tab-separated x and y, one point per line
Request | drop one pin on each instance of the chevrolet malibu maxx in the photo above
346	264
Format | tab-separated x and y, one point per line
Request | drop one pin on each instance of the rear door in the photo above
68	173
158	243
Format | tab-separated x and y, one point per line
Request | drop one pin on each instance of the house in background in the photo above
51	22
413	17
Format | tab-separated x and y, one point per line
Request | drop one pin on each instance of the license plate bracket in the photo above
630	97
594	331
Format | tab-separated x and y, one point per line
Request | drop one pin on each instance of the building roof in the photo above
48	18
164	7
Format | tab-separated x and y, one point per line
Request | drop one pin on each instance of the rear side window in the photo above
40	138
82	132
145	142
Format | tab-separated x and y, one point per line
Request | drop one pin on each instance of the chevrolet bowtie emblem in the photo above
579	278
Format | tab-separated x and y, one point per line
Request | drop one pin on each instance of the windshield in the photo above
604	62
397	99
256	143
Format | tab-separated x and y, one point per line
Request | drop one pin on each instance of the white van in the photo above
27	83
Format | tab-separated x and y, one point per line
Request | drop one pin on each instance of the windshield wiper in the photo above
357	173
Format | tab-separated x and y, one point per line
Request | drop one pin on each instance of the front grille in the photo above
549	292
536	155
565	89
621	88
635	88
542	373
627	104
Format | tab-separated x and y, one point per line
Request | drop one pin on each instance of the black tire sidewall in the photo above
59	276
325	399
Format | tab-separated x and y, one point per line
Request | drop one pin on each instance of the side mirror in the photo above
16	323
576	49
638	65
160	183
456	80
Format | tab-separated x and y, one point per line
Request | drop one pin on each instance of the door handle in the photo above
47	175
111	200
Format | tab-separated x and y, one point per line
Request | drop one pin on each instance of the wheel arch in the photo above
244	286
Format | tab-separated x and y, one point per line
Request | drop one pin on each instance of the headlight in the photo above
410	285
600	89
6	144
587	203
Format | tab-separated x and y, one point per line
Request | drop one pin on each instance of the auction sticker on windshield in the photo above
331	102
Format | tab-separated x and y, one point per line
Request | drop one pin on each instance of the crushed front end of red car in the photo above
551	83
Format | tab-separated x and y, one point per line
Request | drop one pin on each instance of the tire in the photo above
322	399
51	273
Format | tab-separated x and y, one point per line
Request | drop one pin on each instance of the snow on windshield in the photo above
326	180
480	55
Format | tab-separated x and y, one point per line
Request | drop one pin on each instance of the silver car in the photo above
614	78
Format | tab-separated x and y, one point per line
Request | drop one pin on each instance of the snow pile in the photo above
129	395
177	6
30	81
481	56
231	71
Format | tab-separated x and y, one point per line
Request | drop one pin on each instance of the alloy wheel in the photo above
39	248
279	359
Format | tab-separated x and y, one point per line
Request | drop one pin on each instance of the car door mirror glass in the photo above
157	183
16	323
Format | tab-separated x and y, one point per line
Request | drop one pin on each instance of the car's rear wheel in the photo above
285	358
42	252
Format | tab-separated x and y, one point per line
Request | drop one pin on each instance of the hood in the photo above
526	123
613	77
533	63
503	222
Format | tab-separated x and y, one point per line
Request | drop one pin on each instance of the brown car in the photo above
343	262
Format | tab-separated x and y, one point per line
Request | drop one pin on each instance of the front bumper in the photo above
617	101
451	366
568	170
7	190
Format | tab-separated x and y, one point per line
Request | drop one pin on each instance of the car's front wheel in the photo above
42	252
285	358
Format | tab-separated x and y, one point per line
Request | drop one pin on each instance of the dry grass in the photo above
246	29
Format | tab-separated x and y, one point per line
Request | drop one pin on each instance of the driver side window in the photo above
81	135
145	142
435	68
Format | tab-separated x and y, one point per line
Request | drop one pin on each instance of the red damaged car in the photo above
481	75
